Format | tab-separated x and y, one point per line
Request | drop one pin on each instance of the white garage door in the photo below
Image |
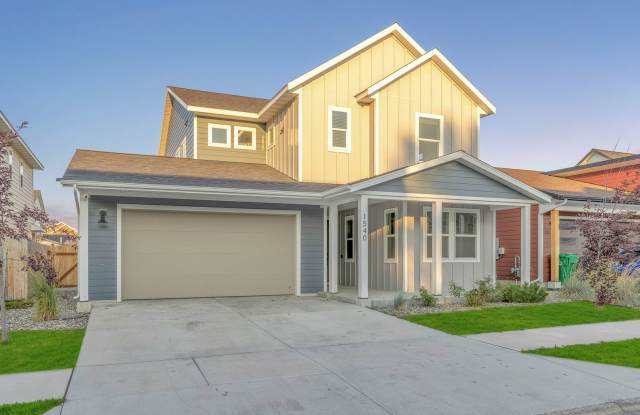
185	254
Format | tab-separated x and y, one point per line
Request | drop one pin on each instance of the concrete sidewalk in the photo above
562	336
33	386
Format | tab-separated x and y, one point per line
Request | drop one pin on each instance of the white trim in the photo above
494	273
325	273
459	156
300	136
363	247
436	265
437	56
331	147
195	136
386	236
35	164
83	245
405	247
167	208
236	132
376	135
346	239
540	246
393	29
215	111
417	137
427	197
333	248
478	116
211	126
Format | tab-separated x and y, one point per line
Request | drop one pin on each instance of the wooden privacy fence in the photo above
64	258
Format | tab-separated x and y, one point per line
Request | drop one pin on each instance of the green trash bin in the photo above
568	265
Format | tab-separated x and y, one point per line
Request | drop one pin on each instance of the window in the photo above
348	239
21	174
271	137
10	161
461	245
219	135
428	137
244	138
390	240
340	129
427	235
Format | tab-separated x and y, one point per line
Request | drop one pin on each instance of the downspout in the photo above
75	196
541	212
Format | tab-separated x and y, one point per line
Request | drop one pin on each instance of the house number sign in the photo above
365	230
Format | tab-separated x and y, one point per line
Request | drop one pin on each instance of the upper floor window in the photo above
348	239
244	138
428	136
390	240
21	174
219	135
340	129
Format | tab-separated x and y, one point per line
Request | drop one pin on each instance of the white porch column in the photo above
333	248
525	243
362	260
83	246
436	231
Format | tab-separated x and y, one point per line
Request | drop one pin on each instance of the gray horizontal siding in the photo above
102	256
450	179
180	126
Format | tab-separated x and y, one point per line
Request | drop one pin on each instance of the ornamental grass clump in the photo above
45	300
628	288
399	301
577	288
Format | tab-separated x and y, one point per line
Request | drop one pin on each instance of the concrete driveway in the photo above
279	355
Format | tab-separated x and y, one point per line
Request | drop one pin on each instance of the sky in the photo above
563	75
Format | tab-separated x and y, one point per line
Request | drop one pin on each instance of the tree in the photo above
14	223
611	233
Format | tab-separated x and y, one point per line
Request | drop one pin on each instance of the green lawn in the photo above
29	408
29	351
525	317
620	353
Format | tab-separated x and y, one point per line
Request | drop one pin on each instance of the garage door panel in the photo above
186	254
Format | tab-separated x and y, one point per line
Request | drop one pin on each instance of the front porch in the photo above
424	226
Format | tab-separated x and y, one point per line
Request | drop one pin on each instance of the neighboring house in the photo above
361	174
60	233
612	169
23	162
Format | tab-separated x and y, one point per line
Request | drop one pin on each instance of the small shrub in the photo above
531	293
577	288
488	291
628	291
455	290
426	298
509	292
399	301
474	298
44	298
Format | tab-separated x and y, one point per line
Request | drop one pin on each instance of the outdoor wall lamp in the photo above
103	216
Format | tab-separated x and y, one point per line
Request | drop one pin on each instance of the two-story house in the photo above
22	162
361	175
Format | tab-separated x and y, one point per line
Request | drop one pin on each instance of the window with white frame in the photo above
466	235
340	129
389	234
427	235
219	135
459	235
348	239
244	138
428	136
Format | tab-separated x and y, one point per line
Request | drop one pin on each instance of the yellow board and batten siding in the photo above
338	87
283	154
426	89
207	152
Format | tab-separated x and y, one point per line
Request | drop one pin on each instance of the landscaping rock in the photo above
68	318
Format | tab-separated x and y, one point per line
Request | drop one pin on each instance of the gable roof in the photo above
436	56
20	145
458	156
559	187
107	167
609	154
616	163
261	109
193	99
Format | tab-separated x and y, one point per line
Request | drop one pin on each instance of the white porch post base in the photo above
436	264
333	248
362	260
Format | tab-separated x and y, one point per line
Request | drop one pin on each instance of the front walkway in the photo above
562	336
33	386
284	355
